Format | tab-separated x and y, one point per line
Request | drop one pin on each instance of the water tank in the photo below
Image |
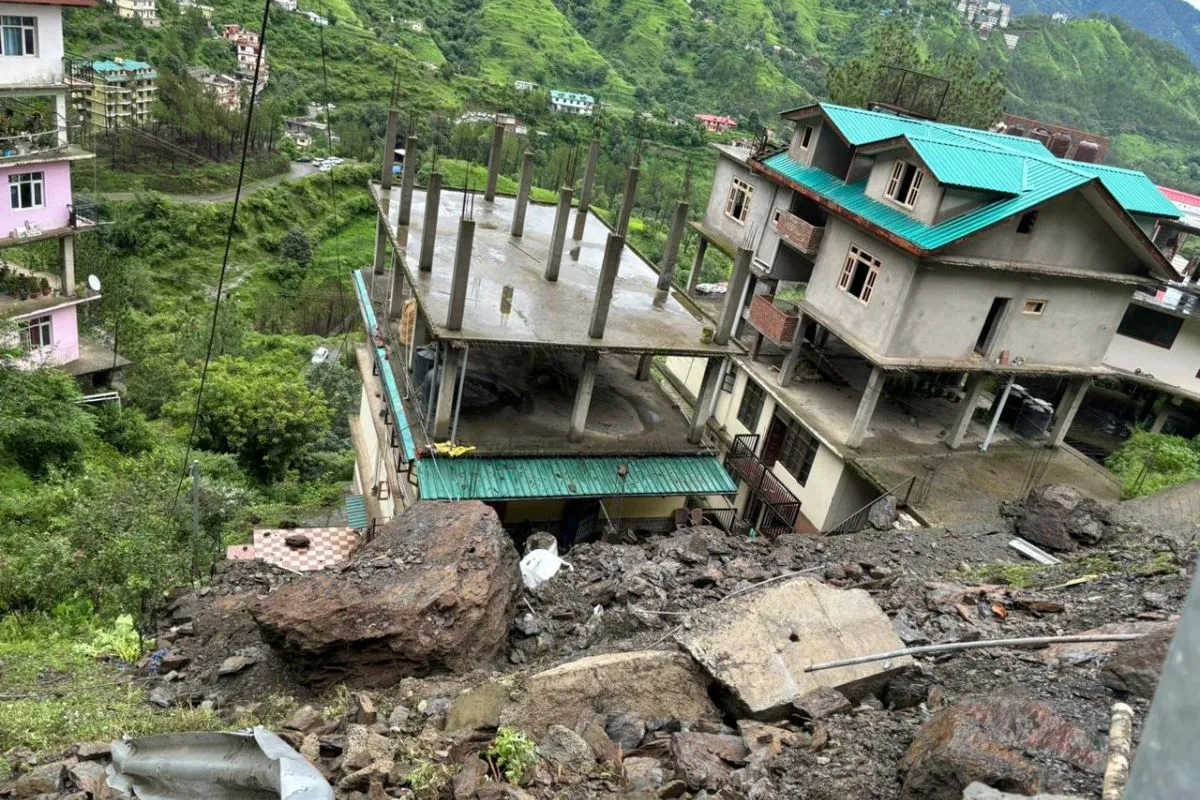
1016	401
1015	130
1042	135
1088	152
1034	419
1060	144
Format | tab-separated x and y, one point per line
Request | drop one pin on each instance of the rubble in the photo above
757	645
433	592
978	791
1060	517
1134	667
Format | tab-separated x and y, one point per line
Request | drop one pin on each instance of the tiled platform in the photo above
327	546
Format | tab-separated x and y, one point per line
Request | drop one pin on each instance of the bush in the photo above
125	429
296	246
1151	462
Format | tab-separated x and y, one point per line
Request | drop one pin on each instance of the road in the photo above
298	170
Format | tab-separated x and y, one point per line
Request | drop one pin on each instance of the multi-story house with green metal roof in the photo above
122	94
924	307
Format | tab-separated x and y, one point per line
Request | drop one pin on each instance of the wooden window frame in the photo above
1038	307
854	257
757	396
739	186
806	134
914	185
798	451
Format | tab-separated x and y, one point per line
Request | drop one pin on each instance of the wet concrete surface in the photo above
641	319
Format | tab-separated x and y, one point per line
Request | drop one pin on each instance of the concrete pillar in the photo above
583	396
60	116
408	180
381	241
733	296
674	239
704	400
559	236
610	265
585	193
631	182
788	367
66	258
966	410
866	408
1160	419
433	199
389	149
443	415
497	152
462	273
697	265
396	299
518	222
645	362
1065	413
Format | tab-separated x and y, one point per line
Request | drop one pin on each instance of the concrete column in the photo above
381	241
793	356
518	222
866	408
733	296
433	199
408	180
559	236
631	182
645	362
66	258
704	400
396	300
462	273
966	410
697	264
1160	419
585	193
674	239
60	116
610	265
583	396
443	415
389	149
1065	413
420	338
489	193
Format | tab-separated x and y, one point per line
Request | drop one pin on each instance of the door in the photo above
773	442
991	325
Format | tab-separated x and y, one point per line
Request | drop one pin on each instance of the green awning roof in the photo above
356	511
552	478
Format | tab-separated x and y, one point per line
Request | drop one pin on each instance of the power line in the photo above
237	196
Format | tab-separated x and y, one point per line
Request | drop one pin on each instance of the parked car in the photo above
320	355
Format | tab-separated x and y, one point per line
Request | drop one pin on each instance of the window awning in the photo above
558	478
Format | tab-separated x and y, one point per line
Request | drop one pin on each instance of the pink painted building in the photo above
715	123
37	198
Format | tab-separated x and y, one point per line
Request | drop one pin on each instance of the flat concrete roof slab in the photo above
543	313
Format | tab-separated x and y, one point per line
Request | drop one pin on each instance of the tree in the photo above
296	246
973	98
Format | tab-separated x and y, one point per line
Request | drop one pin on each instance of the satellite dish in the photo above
93	283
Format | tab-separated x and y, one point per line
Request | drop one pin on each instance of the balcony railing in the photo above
773	321
26	143
84	212
799	233
782	507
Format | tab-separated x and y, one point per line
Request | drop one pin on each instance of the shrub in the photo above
513	753
125	429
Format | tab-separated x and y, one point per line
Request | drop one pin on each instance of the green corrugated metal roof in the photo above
391	392
356	511
973	166
550	478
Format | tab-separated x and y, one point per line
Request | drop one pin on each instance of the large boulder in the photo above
757	645
1060	517
1135	666
1001	740
433	592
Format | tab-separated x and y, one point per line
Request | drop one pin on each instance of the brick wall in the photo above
799	233
772	321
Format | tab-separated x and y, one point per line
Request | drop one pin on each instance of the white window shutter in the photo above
897	171
914	188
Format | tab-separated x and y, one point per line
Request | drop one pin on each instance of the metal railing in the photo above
860	518
33	142
783	508
84	212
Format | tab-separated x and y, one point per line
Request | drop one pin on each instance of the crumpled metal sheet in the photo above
254	765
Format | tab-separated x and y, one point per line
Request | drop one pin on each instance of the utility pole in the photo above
195	470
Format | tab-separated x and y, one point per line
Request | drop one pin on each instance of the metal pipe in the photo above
462	386
987	440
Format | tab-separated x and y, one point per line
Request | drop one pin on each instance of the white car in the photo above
320	355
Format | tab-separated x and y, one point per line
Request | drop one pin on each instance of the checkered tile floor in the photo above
327	546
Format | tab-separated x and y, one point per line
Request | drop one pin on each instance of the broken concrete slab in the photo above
756	645
978	791
646	683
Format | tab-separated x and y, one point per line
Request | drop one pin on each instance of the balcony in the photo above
774	319
798	233
782	507
33	147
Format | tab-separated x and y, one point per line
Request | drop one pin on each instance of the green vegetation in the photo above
1151	462
514	753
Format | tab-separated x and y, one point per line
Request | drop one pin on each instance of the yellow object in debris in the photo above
451	449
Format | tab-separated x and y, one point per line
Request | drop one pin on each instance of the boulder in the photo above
626	730
820	702
46	779
644	774
478	707
1135	666
757	645
648	683
1060	517
234	665
433	592
89	776
303	719
561	745
883	513
297	541
705	760
1078	653
1001	740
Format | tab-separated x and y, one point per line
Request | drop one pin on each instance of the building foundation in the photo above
583	396
1064	415
866	408
966	412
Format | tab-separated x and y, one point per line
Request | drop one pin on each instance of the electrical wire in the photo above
237	196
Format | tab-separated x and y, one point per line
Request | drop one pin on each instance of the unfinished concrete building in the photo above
511	362
899	284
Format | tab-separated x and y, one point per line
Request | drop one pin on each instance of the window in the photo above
1035	307
737	205
859	273
18	36
806	137
729	380
904	184
1027	220
25	190
1148	325
35	332
752	404
798	451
